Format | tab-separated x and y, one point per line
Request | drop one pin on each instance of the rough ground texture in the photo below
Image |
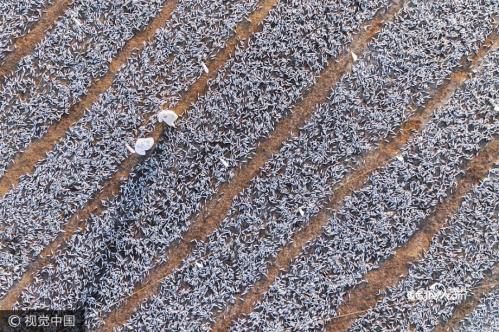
155	254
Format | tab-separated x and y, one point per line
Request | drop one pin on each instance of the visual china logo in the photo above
437	292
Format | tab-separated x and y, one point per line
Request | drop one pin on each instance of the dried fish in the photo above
457	260
258	87
58	73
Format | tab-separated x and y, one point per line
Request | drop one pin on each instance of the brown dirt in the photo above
374	160
24	163
27	43
359	300
489	284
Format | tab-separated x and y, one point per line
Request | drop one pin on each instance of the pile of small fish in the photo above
455	264
485	317
59	72
16	19
198	152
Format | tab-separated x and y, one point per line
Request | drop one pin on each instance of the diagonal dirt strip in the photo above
242	33
25	162
373	161
26	44
394	269
488	285
214	212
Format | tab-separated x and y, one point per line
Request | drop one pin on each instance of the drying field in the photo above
334	166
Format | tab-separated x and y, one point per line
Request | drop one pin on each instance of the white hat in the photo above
168	117
143	144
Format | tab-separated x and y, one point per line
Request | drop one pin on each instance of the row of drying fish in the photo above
58	73
35	211
384	214
169	188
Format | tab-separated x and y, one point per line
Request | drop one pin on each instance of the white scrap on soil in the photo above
205	68
168	117
224	162
354	57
